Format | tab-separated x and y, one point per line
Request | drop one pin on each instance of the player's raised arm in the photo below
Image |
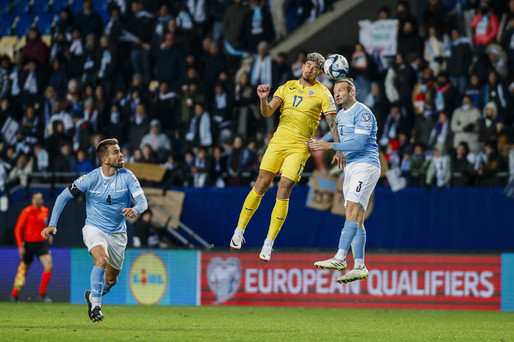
141	206
267	109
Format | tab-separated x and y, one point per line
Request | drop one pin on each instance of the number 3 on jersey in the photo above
297	100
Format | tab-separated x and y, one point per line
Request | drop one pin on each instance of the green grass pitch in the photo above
69	322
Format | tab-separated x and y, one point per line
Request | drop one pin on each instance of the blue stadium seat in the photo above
44	23
40	6
4	4
21	7
105	15
100	5
23	25
77	5
58	5
6	24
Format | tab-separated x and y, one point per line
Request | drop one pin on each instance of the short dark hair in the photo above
101	149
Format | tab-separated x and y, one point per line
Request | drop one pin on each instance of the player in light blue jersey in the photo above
108	191
357	128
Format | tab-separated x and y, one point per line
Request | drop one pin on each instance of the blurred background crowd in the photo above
175	83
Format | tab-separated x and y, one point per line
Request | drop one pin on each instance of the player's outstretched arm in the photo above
60	202
267	109
47	231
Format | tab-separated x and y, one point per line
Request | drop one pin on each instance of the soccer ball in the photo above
336	66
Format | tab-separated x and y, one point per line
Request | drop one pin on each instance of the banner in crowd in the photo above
59	286
326	193
395	281
379	36
150	277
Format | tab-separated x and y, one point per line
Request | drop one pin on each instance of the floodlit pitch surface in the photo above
69	322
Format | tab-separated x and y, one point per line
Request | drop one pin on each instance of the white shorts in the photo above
115	244
360	180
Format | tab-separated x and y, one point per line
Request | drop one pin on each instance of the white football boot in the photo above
237	239
331	264
355	274
267	248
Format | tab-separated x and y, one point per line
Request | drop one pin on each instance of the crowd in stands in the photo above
174	82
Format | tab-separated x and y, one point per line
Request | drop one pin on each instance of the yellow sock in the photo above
278	216
250	205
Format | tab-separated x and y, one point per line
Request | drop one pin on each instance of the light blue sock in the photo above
347	234
97	285
359	244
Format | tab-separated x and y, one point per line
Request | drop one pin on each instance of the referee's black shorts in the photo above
35	248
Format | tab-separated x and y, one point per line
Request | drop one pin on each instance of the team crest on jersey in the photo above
80	179
366	116
312	92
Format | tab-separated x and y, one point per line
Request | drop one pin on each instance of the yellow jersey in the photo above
300	110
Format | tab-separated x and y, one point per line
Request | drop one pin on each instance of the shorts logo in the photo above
366	116
224	277
148	278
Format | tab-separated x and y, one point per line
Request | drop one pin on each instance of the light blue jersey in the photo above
352	124
105	199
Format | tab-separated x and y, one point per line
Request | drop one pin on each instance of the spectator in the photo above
494	91
233	20
165	109
58	79
244	116
36	49
393	125
148	156
489	123
218	170
90	60
4	81
474	91
446	96
409	41
14	77
462	167
42	159
403	15
439	169
221	113
459	60
116	125
32	126
200	169
434	16
192	95
65	24
159	142
441	133
364	71
75	55
399	82
485	26
107	66
256	27
488	163
278	16
84	165
19	173
32	85
138	126
170	63
418	165
145	235
498	60
200	128
424	91
465	123
89	21
161	26
141	27
377	102
296	67
238	159
214	65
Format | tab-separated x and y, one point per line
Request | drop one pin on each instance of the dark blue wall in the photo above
457	218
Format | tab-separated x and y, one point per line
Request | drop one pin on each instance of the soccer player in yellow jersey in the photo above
301	104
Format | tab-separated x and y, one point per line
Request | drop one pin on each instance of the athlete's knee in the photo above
354	212
285	186
262	185
102	261
111	281
49	267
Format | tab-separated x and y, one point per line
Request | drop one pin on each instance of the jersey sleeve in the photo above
363	122
328	104
133	185
280	94
20	224
80	185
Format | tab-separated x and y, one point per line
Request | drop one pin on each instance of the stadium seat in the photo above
6	21
105	15
40	6
20	43
58	5
21	7
44	22
4	4
23	24
100	5
7	45
77	5
47	39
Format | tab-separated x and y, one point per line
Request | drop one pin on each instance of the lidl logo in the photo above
148	278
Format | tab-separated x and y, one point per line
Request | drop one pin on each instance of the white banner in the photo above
379	36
